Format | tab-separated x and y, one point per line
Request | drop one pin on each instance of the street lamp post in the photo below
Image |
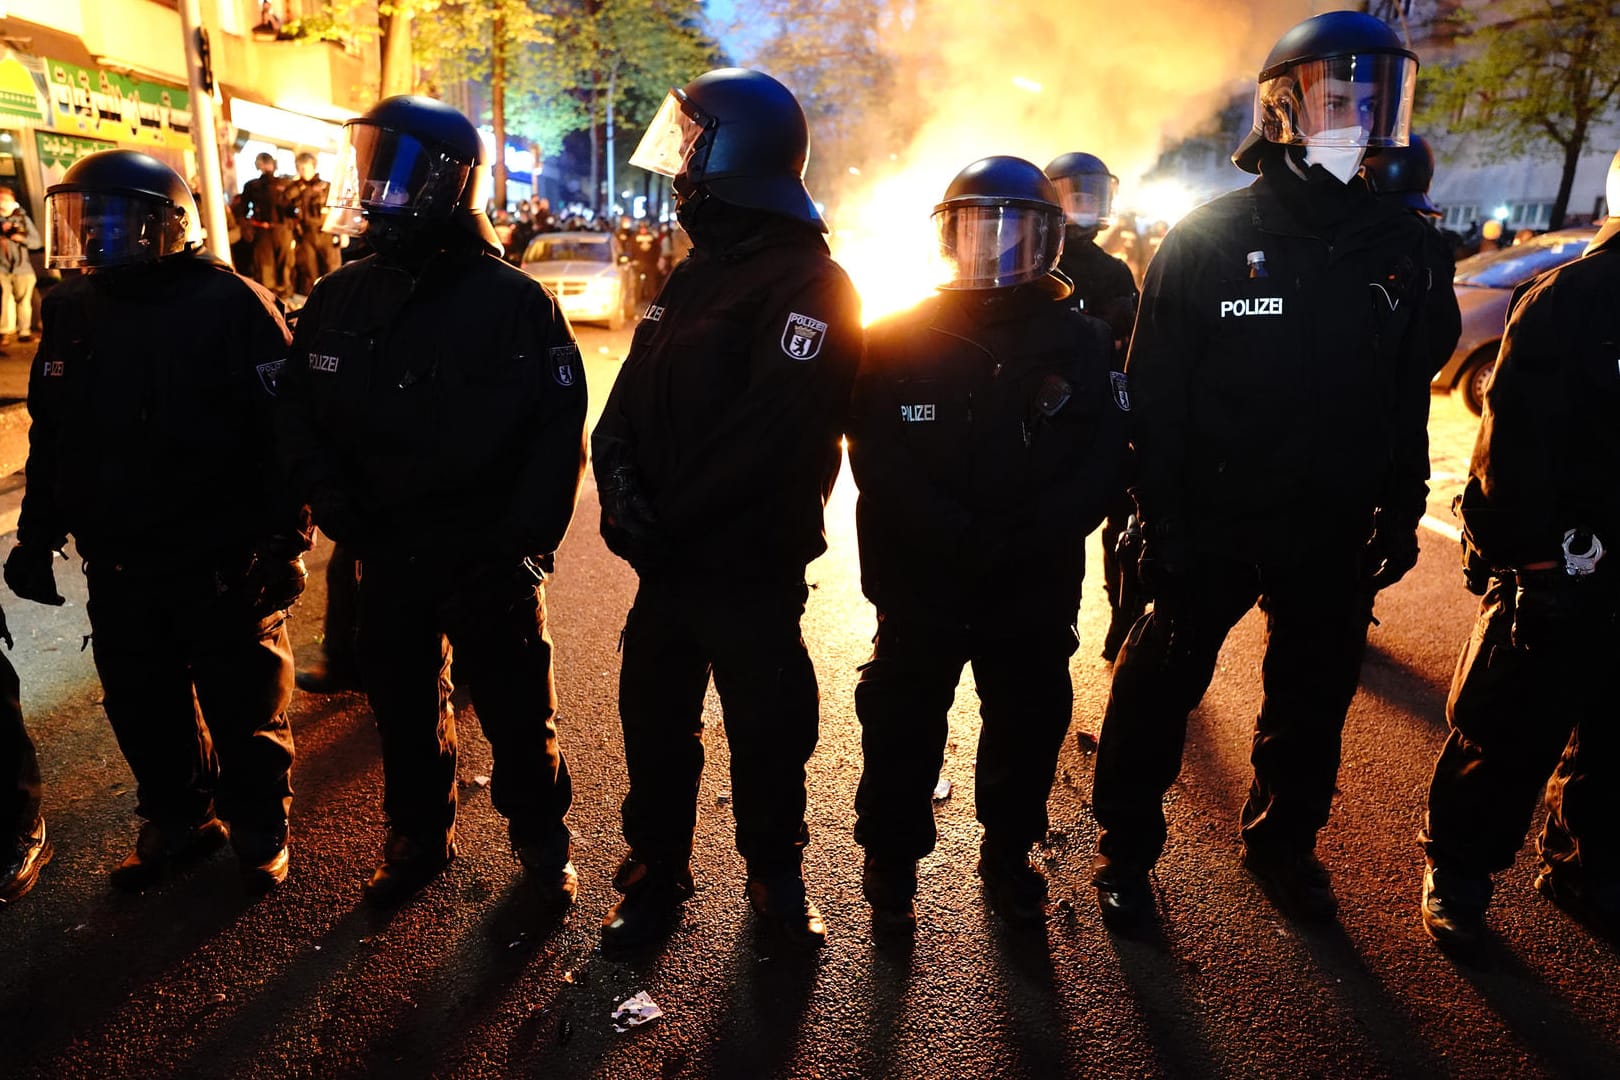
204	133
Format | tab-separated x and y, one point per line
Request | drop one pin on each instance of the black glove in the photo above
1477	573
336	515
273	584
30	575
1164	562
1391	552
1547	610
626	507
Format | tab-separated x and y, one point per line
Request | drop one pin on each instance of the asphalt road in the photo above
193	980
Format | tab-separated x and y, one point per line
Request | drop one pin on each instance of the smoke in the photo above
964	79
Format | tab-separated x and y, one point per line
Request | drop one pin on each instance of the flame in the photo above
885	241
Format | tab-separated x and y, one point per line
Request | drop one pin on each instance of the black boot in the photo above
162	848
1297	882
890	885
546	864
1124	897
1453	908
20	871
1014	887
784	911
1596	906
261	856
408	864
651	904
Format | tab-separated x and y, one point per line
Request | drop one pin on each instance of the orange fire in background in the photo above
1032	79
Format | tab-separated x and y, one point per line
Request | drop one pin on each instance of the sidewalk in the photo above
15	362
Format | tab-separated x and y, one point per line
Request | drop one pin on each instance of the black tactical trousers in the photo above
494	618
745	634
196	683
904	694
272	257
1317	613
342	609
314	256
19	766
1517	717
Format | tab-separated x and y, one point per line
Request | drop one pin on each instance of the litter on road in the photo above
638	1010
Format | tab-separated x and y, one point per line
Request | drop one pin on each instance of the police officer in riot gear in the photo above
1256	482
987	435
315	253
24	846
268	219
433	416
1403	174
714	458
154	452
1105	288
1536	683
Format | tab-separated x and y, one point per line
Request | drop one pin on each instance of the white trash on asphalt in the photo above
942	790
638	1010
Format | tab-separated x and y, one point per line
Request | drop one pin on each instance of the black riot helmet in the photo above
1085	189
1404	173
119	208
735	135
412	163
1000	225
1341	79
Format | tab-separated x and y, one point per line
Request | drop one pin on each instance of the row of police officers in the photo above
1272	434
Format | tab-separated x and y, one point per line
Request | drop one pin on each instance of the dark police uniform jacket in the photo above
151	402
306	204
440	417
731	403
1103	285
1293	405
264	201
986	442
1548	449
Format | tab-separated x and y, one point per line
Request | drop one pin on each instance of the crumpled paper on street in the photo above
942	790
638	1010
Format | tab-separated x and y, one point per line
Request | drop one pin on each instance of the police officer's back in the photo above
1535	685
714	456
1279	384
152	447
434	418
986	435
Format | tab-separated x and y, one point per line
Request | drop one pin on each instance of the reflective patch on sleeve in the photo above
270	375
565	365
1122	390
802	336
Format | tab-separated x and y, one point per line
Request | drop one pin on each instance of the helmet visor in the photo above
392	172
992	246
668	140
1362	99
1088	198
85	229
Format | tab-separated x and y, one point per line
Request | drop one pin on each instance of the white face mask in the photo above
1342	161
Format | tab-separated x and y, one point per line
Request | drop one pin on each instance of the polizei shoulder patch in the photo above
270	375
1122	390
802	336
565	370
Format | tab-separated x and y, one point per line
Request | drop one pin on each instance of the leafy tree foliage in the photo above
1538	81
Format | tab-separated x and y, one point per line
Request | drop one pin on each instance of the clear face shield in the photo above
391	172
1360	100
1088	199
997	245
670	137
87	230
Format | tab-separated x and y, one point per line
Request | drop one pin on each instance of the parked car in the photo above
1484	284
591	279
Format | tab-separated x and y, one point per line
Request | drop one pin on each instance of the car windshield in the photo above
1507	267
569	249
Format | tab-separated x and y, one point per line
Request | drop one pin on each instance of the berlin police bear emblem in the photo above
565	364
802	336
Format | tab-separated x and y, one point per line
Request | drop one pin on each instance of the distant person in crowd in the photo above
269	223
18	237
154	451
316	252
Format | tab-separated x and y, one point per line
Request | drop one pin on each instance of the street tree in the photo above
1538	81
